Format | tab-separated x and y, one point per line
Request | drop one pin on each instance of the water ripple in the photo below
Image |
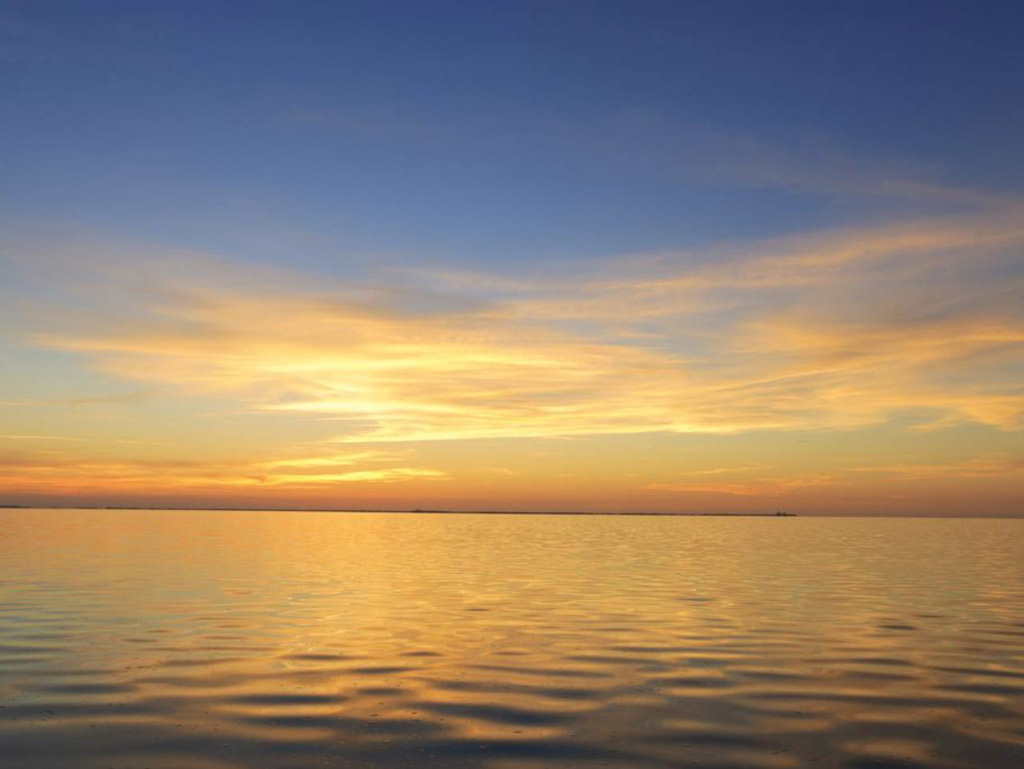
176	640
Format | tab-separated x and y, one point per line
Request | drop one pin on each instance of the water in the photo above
196	640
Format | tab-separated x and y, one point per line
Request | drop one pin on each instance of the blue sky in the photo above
418	252
499	132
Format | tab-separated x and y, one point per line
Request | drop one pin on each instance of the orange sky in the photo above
870	370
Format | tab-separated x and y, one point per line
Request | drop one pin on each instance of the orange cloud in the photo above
768	481
833	331
51	473
758	487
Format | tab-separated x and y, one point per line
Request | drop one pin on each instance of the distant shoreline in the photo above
780	514
414	511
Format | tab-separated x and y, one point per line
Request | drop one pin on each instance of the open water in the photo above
195	640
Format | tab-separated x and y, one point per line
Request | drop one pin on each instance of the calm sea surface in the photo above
227	639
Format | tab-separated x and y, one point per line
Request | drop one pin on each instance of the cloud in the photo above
7	436
832	331
767	481
731	276
974	468
756	487
49	473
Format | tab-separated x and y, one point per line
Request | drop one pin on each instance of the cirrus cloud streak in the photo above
837	331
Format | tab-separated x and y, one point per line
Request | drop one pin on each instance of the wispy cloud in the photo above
754	487
15	437
767	481
976	467
837	330
54	474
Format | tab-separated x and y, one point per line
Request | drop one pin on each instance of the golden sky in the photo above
856	370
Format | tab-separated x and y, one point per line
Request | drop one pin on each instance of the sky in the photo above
611	256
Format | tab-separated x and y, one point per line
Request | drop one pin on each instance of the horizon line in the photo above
415	511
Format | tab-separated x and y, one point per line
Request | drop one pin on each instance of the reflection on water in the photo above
224	639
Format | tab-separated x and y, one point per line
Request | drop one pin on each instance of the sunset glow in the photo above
274	342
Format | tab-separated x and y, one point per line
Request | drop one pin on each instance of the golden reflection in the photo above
435	633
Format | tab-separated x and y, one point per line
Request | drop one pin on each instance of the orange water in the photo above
226	639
